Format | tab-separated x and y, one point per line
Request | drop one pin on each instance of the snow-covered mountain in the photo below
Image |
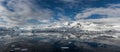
78	25
89	26
92	26
75	30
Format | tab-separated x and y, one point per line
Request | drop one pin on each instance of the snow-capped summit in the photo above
89	26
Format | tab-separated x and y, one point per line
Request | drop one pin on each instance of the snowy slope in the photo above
90	26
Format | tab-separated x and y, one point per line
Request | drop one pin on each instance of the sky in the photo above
36	12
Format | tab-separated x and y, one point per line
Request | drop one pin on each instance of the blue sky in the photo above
30	12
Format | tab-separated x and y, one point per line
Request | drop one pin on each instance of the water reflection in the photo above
58	42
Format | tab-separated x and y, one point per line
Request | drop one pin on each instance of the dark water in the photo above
44	42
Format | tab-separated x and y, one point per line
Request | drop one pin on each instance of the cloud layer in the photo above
109	14
35	12
20	12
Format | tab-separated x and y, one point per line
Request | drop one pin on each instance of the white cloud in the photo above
114	5
112	14
63	17
23	10
26	10
109	12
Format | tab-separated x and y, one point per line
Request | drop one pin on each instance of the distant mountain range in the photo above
75	25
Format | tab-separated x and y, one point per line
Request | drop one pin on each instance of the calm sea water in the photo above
57	42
